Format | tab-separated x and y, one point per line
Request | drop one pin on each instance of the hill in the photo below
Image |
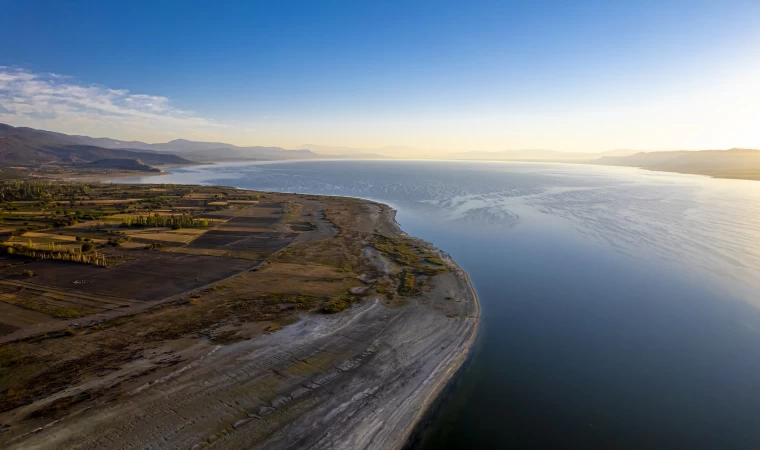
122	164
533	155
29	147
203	152
24	145
734	163
194	150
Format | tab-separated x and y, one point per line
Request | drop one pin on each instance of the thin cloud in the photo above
26	97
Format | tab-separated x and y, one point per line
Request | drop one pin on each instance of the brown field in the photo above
289	278
13	317
52	237
198	196
145	264
112	201
164	236
29	213
256	256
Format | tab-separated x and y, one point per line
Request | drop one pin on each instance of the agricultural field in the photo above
72	250
94	251
107	290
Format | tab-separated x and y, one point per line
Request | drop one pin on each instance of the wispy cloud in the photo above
51	99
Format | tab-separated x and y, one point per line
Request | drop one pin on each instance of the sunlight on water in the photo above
619	306
699	223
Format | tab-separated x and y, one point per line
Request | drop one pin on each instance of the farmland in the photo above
107	290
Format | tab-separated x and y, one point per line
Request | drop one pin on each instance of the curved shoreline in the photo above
456	361
446	369
449	374
362	378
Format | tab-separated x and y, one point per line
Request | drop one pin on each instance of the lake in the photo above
619	306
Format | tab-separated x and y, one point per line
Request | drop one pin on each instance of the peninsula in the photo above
212	317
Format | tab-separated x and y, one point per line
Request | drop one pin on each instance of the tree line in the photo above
157	220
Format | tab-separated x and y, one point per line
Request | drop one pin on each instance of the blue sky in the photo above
568	75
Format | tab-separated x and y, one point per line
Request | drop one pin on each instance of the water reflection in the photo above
618	305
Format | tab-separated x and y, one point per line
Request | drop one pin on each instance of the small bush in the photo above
28	273
336	305
88	247
407	285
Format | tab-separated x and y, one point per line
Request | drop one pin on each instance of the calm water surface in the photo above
619	307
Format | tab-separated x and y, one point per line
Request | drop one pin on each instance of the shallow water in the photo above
619	306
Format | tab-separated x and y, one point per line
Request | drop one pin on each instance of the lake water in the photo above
619	306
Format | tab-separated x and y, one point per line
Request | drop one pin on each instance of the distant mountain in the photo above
233	153
32	141
534	155
331	151
203	151
95	142
122	164
27	146
734	163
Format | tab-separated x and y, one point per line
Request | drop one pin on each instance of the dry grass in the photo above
41	243
216	252
112	201
316	279
197	196
165	236
59	310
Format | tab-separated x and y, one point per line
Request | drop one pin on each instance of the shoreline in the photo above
457	361
456	364
388	363
450	367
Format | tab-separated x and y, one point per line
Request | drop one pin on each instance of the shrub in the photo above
79	238
335	305
88	247
407	285
28	273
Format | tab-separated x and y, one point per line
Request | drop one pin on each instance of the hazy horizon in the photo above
435	78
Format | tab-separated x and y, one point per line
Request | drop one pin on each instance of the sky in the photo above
439	76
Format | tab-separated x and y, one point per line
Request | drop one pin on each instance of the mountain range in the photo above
23	146
536	155
27	146
189	150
